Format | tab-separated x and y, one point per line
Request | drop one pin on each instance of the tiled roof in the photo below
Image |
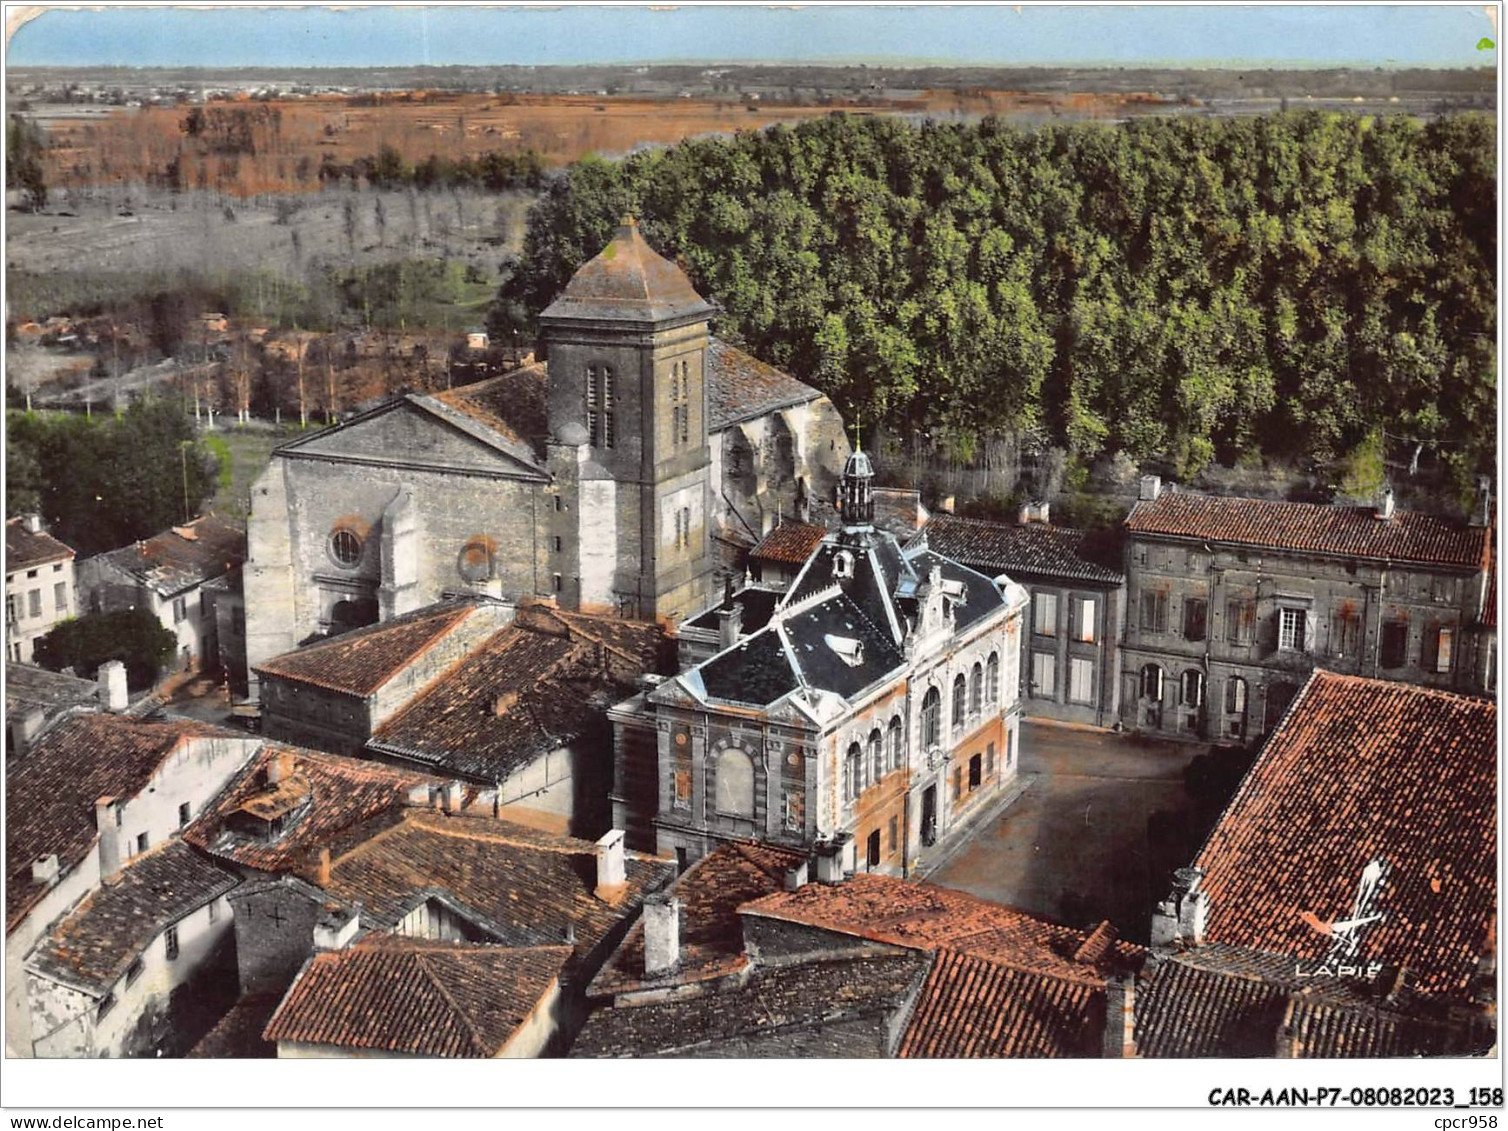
712	939
1324	1030
94	945
184	556
1034	549
1358	770
1204	1009
975	1007
239	1033
522	886
417	998
628	280
790	543
898	510
361	661
1353	532
1489	617
741	387
23	549
779	1011
511	404
904	913
50	794
27	687
342	792
534	687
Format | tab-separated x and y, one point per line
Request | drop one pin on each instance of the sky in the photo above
1121	35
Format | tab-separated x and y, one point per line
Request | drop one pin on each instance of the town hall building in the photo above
596	479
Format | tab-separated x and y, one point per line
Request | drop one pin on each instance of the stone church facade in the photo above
596	479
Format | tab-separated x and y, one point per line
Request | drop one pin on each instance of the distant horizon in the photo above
1089	36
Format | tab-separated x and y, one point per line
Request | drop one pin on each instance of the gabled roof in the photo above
790	543
50	794
361	661
417	998
509	407
741	387
91	948
628	281
1359	770
184	556
1034	549
28	687
342	792
23	549
531	688
1353	532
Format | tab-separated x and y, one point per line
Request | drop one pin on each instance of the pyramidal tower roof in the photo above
629	281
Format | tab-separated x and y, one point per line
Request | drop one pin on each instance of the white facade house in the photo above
39	585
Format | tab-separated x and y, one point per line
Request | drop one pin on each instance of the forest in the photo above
1300	287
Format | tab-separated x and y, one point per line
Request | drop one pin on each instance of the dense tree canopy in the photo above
1174	288
108	481
133	636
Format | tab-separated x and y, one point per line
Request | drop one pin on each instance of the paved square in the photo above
1075	846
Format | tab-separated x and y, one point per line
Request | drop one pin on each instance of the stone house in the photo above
36	700
1345	903
168	575
873	702
91	794
142	966
1070	654
595	479
1232	602
39	585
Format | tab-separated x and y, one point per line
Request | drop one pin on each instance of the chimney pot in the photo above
24	728
662	933
112	684
44	869
107	822
1151	487
795	876
835	859
612	868
945	504
322	868
1385	503
730	623
1481	514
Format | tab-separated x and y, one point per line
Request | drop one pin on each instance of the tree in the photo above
24	146
133	636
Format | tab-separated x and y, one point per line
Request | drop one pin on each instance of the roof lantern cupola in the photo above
855	502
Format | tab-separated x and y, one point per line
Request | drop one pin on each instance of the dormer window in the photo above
843	564
849	650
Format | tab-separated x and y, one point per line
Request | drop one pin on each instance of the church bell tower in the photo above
627	436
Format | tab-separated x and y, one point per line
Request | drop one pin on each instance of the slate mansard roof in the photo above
23	549
1033	549
1360	770
94	945
417	998
1354	532
183	557
841	630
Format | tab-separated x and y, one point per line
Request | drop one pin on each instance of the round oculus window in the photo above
474	563
345	548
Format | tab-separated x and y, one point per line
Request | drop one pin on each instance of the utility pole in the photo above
183	447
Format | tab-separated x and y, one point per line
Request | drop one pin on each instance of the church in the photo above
603	478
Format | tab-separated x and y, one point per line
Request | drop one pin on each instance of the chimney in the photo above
335	929
662	933
730	623
44	869
835	859
795	876
1385	503
1151	487
1180	918
112	685
1033	511
1481	514
945	504
612	872
1120	1018
107	820
322	868
33	523
418	795
24	728
452	794
279	766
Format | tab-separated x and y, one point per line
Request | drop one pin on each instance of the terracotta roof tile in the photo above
23	549
512	404
1322	1029
534	687
628	280
1031	550
1489	617
1354	532
98	940
361	661
741	387
1361	769
790	543
185	556
27	686
342	792
712	939
50	794
975	1007
1194	1010
239	1033
418	999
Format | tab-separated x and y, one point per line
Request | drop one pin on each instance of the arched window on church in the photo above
735	783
